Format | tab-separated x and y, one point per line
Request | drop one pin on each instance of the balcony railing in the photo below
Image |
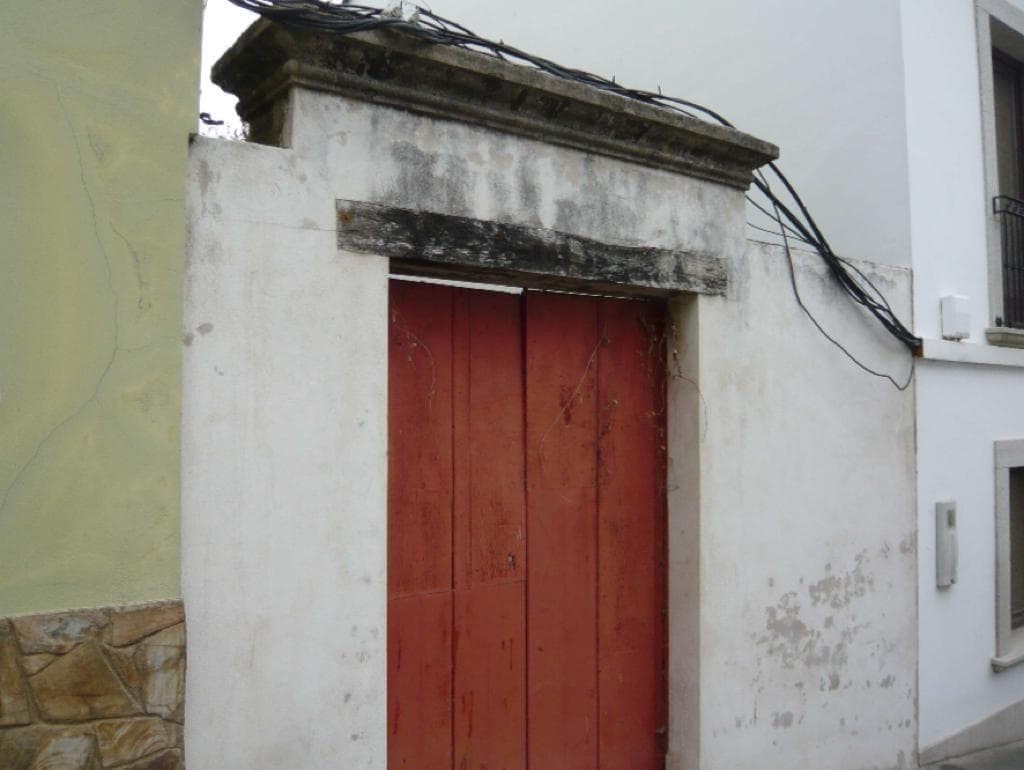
1010	213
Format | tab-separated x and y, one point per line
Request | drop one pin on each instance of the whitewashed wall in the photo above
284	472
284	415
962	410
948	206
805	628
807	528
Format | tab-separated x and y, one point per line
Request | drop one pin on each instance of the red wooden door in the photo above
526	531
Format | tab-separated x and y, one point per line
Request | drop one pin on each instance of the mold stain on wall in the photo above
810	635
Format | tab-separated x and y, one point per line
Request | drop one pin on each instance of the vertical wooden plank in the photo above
490	708
420	438
420	682
631	542
561	430
490	536
419	527
462	450
491	441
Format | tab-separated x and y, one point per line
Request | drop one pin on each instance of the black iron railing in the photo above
1010	213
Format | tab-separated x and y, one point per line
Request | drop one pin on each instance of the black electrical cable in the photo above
775	232
883	305
829	337
794	220
792	233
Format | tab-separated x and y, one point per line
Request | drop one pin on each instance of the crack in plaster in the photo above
116	313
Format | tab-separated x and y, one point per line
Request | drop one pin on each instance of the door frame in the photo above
424	338
419	244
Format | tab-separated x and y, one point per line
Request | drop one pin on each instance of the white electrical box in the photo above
945	544
956	317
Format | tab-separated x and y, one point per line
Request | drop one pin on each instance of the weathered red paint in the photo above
631	582
420	603
526	531
490	540
561	426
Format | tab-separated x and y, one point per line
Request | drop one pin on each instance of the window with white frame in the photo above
1009	457
1001	69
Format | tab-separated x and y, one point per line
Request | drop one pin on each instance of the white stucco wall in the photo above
284	473
284	424
807	530
948	201
804	637
963	410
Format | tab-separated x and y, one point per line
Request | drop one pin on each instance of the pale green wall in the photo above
97	98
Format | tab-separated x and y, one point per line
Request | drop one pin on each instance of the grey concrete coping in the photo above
395	69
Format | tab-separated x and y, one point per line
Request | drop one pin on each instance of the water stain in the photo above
428	179
783	720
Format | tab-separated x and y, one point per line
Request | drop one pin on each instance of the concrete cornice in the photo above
389	68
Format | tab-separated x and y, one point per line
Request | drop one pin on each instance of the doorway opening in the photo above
526	530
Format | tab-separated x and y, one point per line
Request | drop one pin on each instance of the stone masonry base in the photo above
93	689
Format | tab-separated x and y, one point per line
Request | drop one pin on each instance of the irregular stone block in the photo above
70	664
14	705
67	752
81	685
33	664
163	678
123	661
58	633
125	740
20	745
129	626
169	760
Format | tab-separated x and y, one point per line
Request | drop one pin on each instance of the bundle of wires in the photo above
787	210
